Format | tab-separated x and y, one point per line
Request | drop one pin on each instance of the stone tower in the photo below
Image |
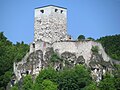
50	24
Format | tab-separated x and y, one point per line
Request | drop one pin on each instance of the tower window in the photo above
56	10
33	45
61	11
27	72
42	11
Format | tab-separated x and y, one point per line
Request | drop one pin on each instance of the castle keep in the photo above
50	36
50	24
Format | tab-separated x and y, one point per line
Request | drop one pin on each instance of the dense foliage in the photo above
107	83
27	83
9	53
76	78
111	45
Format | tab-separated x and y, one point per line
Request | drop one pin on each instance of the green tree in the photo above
81	37
14	88
48	73
37	86
90	38
9	52
74	79
116	73
49	85
27	83
21	49
92	86
111	45
107	83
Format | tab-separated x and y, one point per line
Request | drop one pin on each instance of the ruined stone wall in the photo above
31	65
39	45
19	67
51	25
34	60
82	48
79	49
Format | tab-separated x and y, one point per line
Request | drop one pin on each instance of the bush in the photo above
81	37
27	83
95	49
14	88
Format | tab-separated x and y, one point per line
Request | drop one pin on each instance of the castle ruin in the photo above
50	35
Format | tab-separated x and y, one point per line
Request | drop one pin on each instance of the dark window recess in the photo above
42	11
61	11
38	39
72	61
13	82
97	69
56	10
27	72
33	45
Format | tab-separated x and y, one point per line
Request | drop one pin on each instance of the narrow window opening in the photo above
33	45
56	10
38	39
27	72
42	11
61	11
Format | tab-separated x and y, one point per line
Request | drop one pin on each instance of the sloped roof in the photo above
49	6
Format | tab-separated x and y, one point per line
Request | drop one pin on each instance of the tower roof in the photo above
49	6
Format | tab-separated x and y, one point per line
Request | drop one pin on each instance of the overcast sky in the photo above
92	18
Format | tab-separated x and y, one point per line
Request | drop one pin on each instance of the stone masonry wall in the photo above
51	25
79	49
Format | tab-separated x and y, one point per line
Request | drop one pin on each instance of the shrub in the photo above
95	49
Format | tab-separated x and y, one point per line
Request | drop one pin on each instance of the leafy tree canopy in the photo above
90	38
81	37
27	83
9	53
111	45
